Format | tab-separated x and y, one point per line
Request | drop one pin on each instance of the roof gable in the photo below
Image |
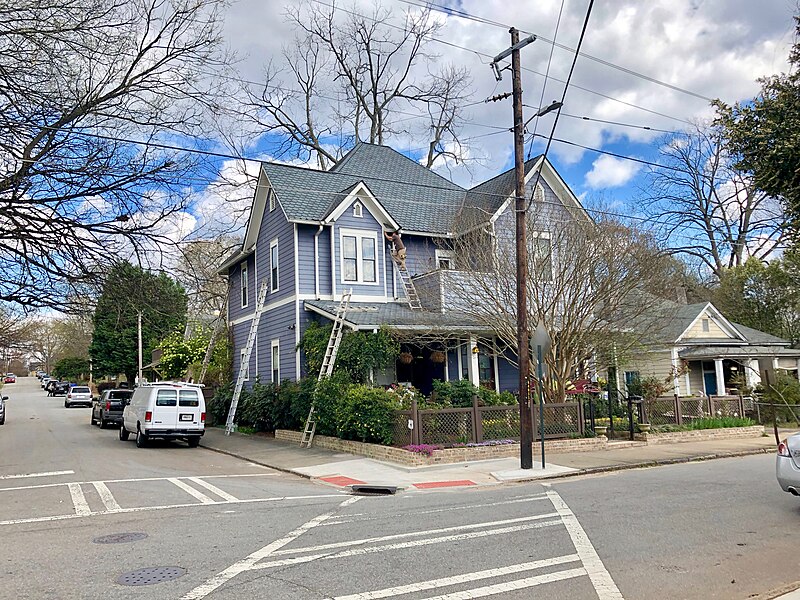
361	192
718	326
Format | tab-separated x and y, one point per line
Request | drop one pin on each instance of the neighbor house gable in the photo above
710	324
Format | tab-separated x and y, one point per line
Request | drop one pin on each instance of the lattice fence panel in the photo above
660	411
560	419
446	426
500	423
401	434
693	408
727	406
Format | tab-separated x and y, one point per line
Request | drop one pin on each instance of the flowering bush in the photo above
366	414
426	449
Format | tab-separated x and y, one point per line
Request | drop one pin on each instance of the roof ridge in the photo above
477	185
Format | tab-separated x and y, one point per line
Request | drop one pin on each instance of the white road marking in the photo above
411	544
79	500
212	488
510	586
164	507
459	579
601	579
247	563
429	532
105	495
191	491
137	479
45	474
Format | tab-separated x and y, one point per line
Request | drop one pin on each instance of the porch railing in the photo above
478	424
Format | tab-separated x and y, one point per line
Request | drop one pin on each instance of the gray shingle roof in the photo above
416	197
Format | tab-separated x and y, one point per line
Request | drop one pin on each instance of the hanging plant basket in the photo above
405	358
437	356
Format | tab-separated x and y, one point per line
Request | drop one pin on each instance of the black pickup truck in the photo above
107	409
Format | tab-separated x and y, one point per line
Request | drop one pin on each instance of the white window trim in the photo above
241	361
272	202
705	325
276	344
358	210
244	285
359	234
546	236
444	255
276	267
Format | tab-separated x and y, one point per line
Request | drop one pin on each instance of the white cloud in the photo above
608	171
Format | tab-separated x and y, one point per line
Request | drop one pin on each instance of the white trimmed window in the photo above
272	202
244	282
276	361
359	256
358	210
542	255
444	259
273	265
706	325
245	363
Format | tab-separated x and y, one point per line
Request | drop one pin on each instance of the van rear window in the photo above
80	390
167	398
119	395
189	398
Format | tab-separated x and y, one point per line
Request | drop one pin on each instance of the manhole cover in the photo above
151	575
119	538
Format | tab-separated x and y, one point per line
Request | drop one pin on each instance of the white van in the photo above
165	409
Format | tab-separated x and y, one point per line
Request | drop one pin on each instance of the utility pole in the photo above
523	345
139	321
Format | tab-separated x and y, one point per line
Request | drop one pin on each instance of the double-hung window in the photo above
359	256
243	274
246	364
276	361
273	265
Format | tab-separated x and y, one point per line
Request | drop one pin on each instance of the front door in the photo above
710	379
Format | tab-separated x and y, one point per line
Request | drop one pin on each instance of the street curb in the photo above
576	473
777	593
257	462
647	464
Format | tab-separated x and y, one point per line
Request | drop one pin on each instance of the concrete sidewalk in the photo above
340	469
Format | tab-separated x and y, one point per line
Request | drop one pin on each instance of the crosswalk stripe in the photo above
212	488
191	491
105	495
79	500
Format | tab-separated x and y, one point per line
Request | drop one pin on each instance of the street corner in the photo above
536	472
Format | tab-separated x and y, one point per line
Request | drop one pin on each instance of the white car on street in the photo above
78	394
787	465
167	410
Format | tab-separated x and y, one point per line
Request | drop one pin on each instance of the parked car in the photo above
10	378
45	381
108	407
59	388
167	410
51	386
77	394
3	409
787	464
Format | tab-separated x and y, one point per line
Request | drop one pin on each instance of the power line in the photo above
465	15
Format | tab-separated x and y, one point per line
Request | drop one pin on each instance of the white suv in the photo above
78	394
165	409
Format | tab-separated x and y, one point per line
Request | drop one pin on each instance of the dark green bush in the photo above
458	394
366	414
217	407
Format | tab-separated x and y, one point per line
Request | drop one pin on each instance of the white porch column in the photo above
676	384
753	373
472	358
720	376
688	381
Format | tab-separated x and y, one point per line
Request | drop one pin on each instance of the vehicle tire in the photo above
193	441
141	439
3	420
103	422
93	420
66	404
124	433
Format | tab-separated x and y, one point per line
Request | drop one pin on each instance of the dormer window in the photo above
358	210
444	259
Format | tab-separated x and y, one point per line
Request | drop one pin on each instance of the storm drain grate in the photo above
119	538
151	575
373	490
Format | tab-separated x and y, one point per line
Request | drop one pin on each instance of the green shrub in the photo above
329	392
720	422
458	394
217	407
366	414
256	409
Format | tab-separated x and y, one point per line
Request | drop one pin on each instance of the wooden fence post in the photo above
710	406
477	420
415	434
741	405
678	415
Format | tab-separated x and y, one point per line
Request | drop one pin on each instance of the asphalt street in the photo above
225	528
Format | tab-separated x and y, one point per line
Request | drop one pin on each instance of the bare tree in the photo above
585	285
79	80
346	76
708	210
196	271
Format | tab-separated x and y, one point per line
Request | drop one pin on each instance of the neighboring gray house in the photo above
313	234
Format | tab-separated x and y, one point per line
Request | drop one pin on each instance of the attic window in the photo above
271	200
706	326
358	210
538	193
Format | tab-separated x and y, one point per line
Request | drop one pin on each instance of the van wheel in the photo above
193	441
94	421
66	404
141	439
103	422
124	433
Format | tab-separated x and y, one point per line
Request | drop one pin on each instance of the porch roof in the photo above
709	352
372	315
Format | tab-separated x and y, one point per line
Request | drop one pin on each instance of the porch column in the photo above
676	384
472	361
688	381
752	375
720	376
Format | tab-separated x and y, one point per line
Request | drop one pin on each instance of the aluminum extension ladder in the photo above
328	363
408	285
248	351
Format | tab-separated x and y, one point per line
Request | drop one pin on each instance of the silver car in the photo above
787	466
78	394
